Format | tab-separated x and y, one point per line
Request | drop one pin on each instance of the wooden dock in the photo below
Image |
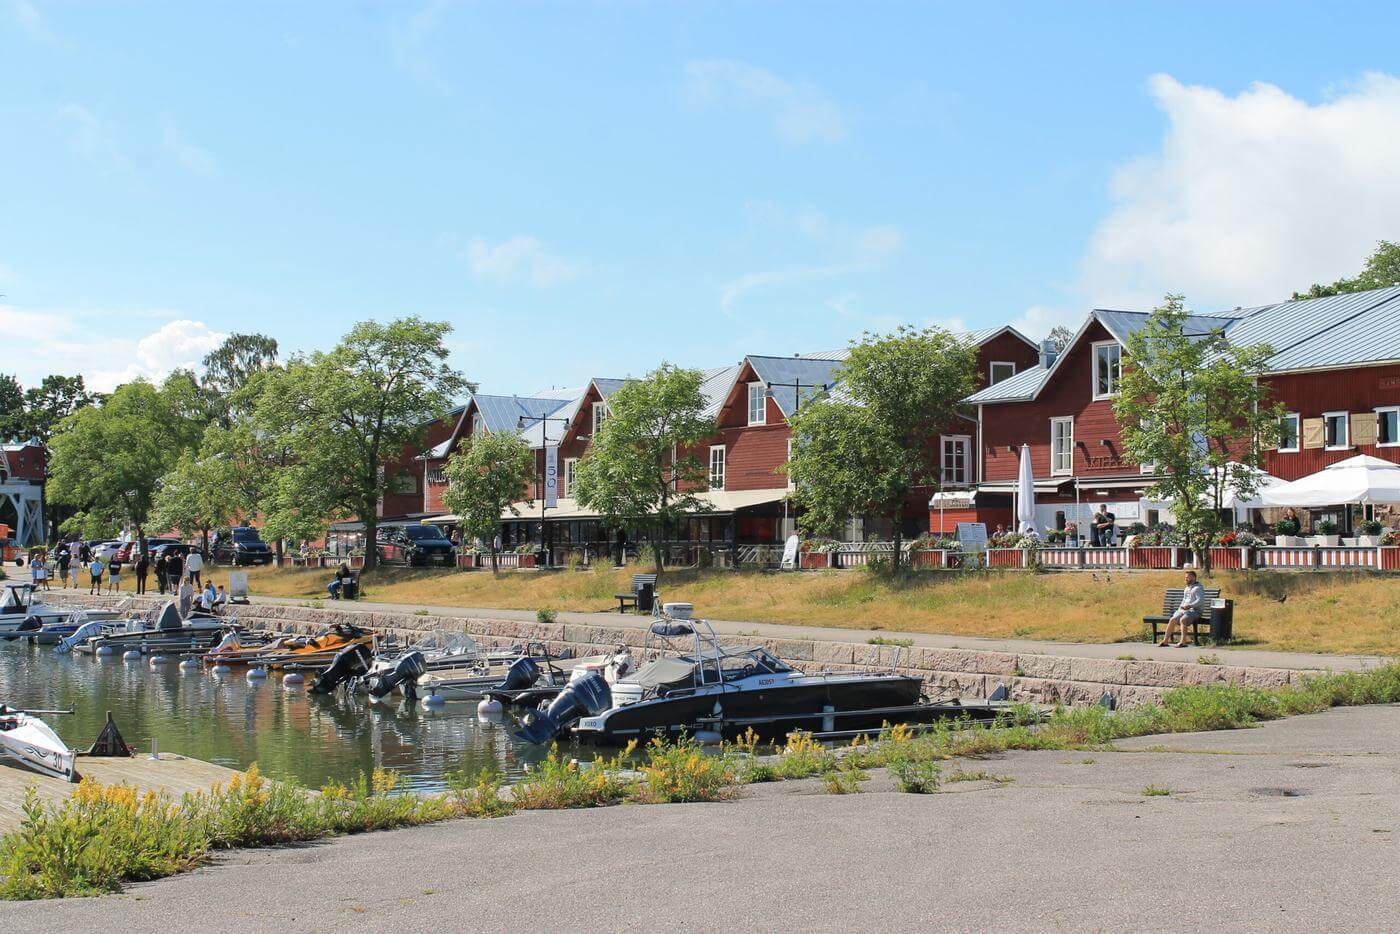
172	773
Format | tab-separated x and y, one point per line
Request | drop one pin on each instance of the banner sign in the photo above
551	476
972	536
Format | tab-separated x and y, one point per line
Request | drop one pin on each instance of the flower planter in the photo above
1325	541
1159	557
1006	558
527	561
1230	557
1368	541
935	558
815	560
1290	541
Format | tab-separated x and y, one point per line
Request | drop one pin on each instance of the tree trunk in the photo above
495	559
898	536
371	522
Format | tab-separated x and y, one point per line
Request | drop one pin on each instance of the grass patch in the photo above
546	615
882	640
481	797
1152	791
558	783
843	780
963	776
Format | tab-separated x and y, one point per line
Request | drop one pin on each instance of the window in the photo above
1334	431
1000	370
1108	368
1062	446
758	404
570	467
954	461
600	415
478	425
717	467
437	476
1288	432
1388	427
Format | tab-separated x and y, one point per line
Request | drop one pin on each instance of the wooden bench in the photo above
641	596
1172	602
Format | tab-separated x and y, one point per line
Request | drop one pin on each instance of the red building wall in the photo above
1310	394
407	465
26	463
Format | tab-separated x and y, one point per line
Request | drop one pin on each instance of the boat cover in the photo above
170	617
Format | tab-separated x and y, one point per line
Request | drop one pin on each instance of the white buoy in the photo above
257	674
106	650
708	737
489	708
189	664
221	669
292	679
434	702
158	660
130	655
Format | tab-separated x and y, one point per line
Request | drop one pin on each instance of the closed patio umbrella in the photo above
1359	480
1025	493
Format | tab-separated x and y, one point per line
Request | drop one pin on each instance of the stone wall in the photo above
1035	678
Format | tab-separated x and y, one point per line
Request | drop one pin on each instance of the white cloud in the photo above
65	341
193	157
89	139
1251	196
801	112
410	38
520	259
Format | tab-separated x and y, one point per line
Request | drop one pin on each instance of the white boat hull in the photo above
34	745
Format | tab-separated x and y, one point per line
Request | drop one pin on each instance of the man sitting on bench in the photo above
339	582
1193	600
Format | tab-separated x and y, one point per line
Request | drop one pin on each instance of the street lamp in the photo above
545	422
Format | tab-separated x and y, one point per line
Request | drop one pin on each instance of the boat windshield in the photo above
753	661
13	600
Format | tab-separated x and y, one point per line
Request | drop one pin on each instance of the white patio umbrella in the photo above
1359	480
1263	481
1025	493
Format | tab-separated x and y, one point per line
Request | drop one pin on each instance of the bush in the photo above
480	797
1287	526
546	615
1327	527
684	772
557	784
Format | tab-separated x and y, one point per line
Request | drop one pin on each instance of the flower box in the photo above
1290	541
1159	557
1368	541
1325	541
1229	557
815	560
932	558
527	561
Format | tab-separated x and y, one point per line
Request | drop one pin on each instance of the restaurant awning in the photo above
712	502
1359	480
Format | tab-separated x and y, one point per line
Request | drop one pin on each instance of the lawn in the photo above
1322	612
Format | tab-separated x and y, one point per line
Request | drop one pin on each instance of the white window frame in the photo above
992	371
1383	410
570	469
600	414
723	465
1094	369
1055	470
966	442
791	484
763	406
478	424
1297	433
1346	430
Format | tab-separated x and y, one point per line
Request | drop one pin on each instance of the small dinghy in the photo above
30	741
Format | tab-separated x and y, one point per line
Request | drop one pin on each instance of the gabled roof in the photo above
817	372
1019	388
1373	336
716	385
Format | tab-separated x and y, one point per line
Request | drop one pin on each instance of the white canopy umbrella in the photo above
1262	482
1025	493
1359	480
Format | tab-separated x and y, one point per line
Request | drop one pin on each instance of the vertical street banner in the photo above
551	476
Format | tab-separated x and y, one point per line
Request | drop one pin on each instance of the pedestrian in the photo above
143	567
194	564
95	571
160	573
186	599
64	559
174	572
114	576
75	566
208	598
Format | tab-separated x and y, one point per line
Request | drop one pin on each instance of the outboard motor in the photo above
523	672
80	635
589	695
350	661
406	672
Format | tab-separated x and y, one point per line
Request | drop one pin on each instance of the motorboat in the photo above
21	612
165	632
501	676
711	692
301	652
74	618
33	743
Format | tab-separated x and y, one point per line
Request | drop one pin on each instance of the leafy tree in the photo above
630	473
344	413
107	459
229	367
54	399
867	449
485	480
12	420
1190	405
198	495
1061	336
1382	269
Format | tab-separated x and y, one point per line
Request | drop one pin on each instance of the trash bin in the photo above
646	598
1222	620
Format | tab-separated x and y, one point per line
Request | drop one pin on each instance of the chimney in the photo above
1048	353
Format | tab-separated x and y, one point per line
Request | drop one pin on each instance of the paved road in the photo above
1293	826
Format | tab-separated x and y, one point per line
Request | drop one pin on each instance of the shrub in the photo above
546	614
1327	527
1287	526
480	797
1371	527
556	784
915	775
684	772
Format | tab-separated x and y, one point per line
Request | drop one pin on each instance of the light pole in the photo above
544	422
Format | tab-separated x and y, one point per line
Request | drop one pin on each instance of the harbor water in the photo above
231	721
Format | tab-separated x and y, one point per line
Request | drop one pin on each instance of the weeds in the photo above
682	771
1207	659
884	640
557	784
843	780
481	797
546	615
962	776
1152	791
916	776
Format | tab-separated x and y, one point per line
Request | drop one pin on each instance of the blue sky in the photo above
585	189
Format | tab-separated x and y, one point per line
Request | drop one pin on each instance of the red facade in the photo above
1309	395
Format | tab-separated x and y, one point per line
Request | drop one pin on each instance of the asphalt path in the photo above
1291	826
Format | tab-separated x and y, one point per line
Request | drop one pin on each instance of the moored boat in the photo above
31	742
303	652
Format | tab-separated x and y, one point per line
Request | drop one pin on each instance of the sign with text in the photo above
972	536
551	476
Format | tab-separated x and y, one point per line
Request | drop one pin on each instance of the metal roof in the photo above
1373	336
1019	388
716	386
1289	324
808	371
1124	324
606	387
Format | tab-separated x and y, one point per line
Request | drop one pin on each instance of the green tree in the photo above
485	480
1189	405
106	460
630	472
229	367
54	399
12	416
199	494
1382	269
344	413
866	449
1061	336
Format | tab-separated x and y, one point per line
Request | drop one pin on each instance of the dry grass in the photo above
1324	612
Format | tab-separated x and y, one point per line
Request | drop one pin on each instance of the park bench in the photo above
350	590
1171	602
641	596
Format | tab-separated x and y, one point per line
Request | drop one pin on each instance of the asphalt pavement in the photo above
1292	826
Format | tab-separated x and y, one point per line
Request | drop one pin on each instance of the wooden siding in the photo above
1007	348
1355	391
1006	426
27	463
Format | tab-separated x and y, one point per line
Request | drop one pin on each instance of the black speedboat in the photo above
712	692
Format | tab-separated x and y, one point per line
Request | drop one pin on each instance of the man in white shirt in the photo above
194	564
1193	600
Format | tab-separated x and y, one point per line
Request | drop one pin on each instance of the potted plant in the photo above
1369	533
1327	536
1286	532
815	554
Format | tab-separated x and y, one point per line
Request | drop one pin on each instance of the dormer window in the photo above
1108	368
1000	370
758	404
600	415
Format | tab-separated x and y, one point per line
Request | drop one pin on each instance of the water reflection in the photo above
233	721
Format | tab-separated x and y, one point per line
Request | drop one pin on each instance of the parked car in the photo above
418	545
129	551
105	550
242	545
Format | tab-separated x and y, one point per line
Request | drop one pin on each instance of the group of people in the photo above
179	576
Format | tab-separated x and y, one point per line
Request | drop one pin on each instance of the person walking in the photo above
143	567
194	564
174	572
114	576
95	571
160	566
186	599
64	559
